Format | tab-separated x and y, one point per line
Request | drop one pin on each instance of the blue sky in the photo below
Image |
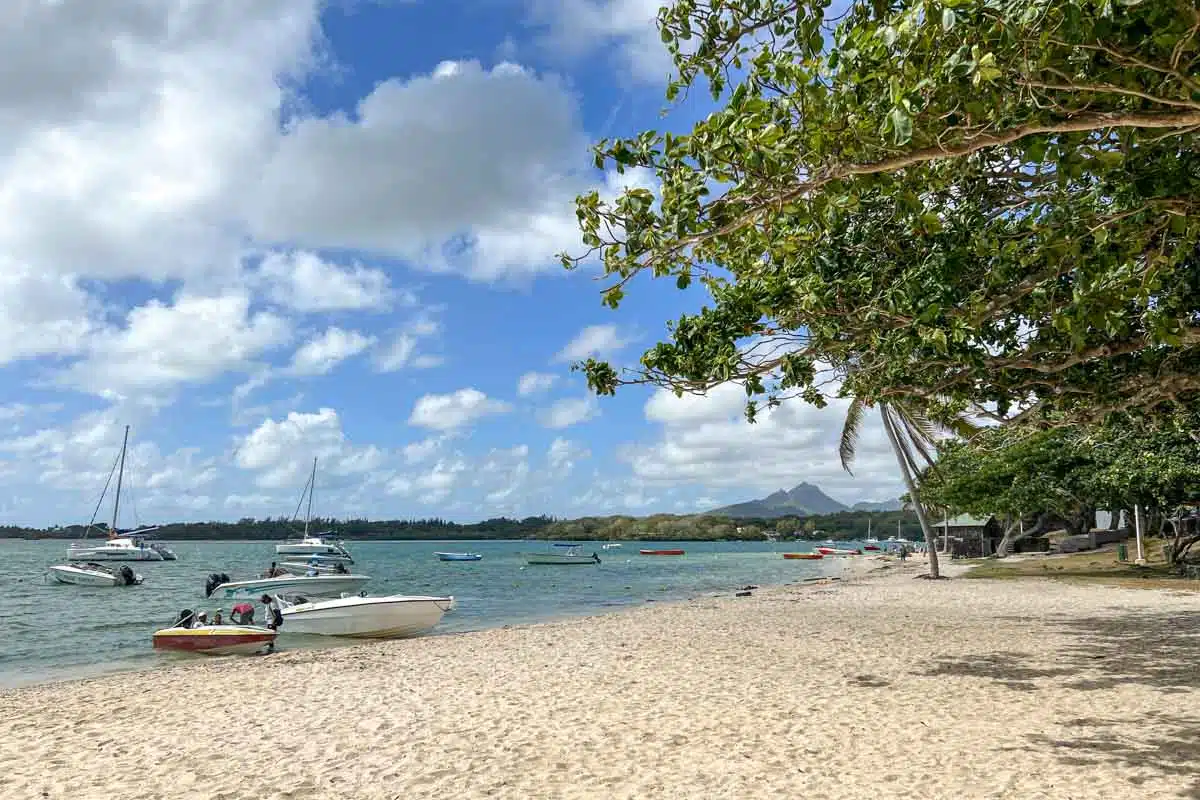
306	229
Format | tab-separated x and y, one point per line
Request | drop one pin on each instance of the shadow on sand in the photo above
1153	649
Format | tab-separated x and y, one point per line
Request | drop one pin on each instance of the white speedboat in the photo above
219	585
392	617
95	575
301	568
309	545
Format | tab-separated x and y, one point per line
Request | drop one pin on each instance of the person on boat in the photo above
201	620
217	618
242	614
340	569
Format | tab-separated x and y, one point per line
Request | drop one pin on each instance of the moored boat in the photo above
219	585
804	556
667	552
838	551
92	574
568	555
216	640
459	556
391	617
309	545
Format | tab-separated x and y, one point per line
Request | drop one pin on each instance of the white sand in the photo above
883	687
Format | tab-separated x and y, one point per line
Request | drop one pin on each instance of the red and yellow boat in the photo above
661	552
804	556
216	640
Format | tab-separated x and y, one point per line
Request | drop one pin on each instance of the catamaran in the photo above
121	545
313	545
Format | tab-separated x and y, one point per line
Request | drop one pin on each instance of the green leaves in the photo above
959	204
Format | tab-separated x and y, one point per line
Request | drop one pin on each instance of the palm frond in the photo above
848	445
916	433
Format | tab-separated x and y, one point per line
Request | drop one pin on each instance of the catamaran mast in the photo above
312	488
120	474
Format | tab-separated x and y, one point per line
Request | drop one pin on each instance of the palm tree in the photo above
912	435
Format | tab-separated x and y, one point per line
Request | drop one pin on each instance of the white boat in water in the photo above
392	617
120	545
310	545
570	554
309	568
219	585
95	575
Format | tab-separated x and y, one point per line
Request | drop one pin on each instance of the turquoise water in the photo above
52	631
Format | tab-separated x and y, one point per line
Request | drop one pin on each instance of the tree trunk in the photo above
1006	540
911	484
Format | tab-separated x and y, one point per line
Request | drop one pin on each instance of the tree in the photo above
911	435
1066	472
989	205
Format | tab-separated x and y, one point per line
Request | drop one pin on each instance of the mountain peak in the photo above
803	499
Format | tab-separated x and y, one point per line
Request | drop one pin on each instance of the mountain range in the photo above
801	500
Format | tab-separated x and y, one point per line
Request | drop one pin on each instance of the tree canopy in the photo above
984	205
1066	470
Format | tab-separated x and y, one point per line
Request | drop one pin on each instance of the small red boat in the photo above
870	547
837	551
661	552
805	556
216	640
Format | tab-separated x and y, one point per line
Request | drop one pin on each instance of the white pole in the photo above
1137	527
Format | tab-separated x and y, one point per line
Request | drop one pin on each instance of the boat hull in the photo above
79	576
835	551
81	551
458	556
672	552
393	617
215	640
303	585
559	559
804	556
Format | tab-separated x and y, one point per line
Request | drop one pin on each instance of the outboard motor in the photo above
185	619
128	576
214	580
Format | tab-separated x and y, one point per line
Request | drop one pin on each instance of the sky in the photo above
262	233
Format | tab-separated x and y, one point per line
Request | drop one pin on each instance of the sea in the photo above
51	631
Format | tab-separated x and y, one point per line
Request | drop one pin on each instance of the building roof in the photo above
965	521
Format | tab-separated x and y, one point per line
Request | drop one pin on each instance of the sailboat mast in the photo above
120	475
312	488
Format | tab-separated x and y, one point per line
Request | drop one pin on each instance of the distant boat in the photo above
611	546
459	556
127	545
570	555
671	552
804	556
309	545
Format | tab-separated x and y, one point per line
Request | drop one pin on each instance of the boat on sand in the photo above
216	640
391	617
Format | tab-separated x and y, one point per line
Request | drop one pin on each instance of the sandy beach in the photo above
876	686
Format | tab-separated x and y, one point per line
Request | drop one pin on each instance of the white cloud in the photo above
193	340
401	350
463	169
563	455
568	411
420	451
577	27
534	383
591	342
129	128
303	281
445	412
432	486
41	314
281	452
705	440
320	355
